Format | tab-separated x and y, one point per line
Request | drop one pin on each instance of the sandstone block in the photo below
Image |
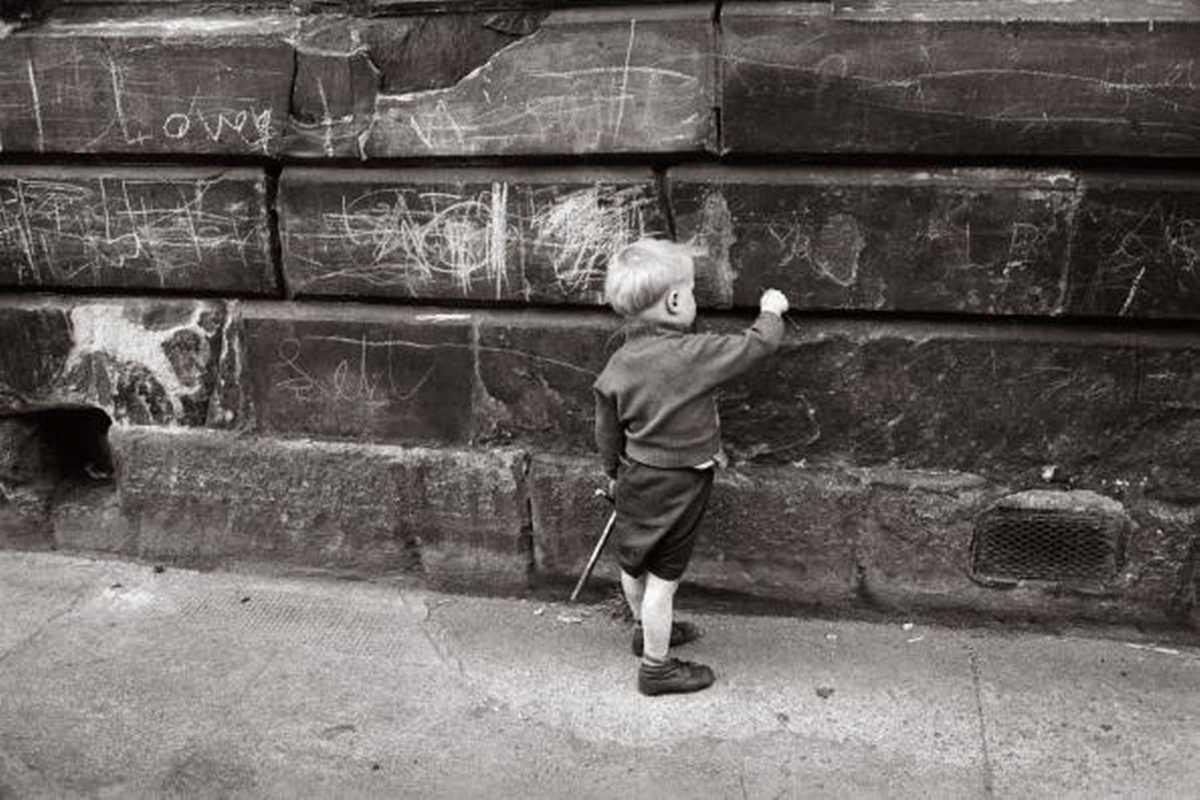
524	235
382	375
141	361
983	241
535	377
1005	402
1090	78
179	85
167	228
212	498
642	83
976	241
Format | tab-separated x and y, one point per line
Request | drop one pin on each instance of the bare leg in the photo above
658	608
634	589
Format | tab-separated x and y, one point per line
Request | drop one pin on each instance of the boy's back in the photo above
657	391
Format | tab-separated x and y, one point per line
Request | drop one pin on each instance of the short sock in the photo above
655	663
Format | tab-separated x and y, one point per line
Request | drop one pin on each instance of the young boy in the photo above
659	438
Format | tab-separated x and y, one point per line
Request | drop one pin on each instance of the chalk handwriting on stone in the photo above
79	231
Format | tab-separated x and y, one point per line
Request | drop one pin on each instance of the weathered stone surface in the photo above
357	372
211	498
881	538
515	8
773	534
1084	78
535	377
141	361
1137	248
916	553
642	83
982	241
1163	553
517	235
26	485
179	85
167	228
995	399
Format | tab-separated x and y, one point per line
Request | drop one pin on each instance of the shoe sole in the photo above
682	690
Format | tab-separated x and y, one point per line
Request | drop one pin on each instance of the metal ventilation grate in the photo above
1046	544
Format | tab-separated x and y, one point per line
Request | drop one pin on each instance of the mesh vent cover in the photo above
1046	544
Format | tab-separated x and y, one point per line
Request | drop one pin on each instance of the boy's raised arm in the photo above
720	357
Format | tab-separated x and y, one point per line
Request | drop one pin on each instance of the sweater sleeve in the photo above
610	439
720	357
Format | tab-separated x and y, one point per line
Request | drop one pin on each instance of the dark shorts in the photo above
658	516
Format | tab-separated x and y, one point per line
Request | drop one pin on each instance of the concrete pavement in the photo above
120	681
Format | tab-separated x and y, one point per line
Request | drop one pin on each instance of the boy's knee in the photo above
660	587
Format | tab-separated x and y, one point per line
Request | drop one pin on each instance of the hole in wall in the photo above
45	454
75	444
53	445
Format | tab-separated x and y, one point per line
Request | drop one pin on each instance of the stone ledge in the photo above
883	538
453	517
844	538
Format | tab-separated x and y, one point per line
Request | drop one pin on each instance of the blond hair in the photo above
642	272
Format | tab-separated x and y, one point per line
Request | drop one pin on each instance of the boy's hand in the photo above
774	301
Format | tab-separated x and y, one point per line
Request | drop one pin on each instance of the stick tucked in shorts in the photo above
658	516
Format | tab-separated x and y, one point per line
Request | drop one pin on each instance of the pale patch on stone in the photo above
715	274
109	330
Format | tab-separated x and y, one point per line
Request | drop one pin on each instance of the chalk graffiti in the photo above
93	103
582	230
470	241
81	231
250	125
351	380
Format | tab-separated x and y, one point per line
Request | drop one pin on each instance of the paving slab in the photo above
143	683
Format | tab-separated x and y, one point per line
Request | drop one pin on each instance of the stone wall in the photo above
333	270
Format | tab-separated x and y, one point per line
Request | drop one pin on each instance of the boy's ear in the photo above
673	301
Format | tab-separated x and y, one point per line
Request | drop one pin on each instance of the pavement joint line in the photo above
989	788
76	601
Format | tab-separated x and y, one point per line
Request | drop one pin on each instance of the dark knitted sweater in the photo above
655	398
